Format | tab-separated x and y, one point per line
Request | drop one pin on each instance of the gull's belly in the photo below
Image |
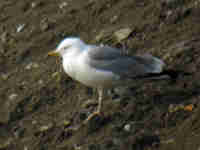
89	76
96	78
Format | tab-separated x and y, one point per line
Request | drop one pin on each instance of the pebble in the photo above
25	148
44	25
89	103
4	37
36	4
20	27
7	107
103	36
122	34
31	65
174	108
33	4
6	144
45	127
113	19
40	82
172	3
34	122
13	96
63	5
127	127
4	76
66	123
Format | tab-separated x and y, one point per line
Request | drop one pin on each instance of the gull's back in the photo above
114	60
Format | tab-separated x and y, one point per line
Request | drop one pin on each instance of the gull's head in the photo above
66	46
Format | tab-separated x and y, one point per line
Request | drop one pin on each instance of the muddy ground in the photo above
40	104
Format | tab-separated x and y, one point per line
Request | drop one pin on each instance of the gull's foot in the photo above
96	113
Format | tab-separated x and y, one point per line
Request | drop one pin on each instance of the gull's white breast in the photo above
77	68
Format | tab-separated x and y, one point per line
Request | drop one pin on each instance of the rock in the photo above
66	123
63	5
175	107
102	36
34	122
13	96
5	113
122	34
127	127
5	144
56	76
36	4
19	132
31	65
41	82
44	24
20	27
25	148
6	107
113	19
4	37
88	103
45	127
4	76
172	3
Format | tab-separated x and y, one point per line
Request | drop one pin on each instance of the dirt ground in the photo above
40	104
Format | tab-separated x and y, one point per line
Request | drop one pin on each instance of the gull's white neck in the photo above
74	51
71	59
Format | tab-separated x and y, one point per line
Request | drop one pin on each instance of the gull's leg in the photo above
100	100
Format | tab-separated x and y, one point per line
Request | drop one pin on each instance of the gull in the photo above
103	67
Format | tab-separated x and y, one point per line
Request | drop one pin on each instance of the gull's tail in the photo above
155	67
153	64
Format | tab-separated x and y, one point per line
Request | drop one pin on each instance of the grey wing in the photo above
111	59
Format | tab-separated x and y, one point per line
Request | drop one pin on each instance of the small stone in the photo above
113	19
33	4
6	107
122	34
127	127
20	27
172	3
63	5
36	4
5	144
25	148
66	123
19	132
56	76
44	25
100	36
46	127
169	141
4	76
5	112
40	82
103	35
89	103
77	147
34	122
174	108
31	65
198	148
4	37
13	96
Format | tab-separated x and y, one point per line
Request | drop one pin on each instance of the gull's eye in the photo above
66	47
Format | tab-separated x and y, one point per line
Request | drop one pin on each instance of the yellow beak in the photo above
53	53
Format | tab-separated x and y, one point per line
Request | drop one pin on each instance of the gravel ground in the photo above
40	104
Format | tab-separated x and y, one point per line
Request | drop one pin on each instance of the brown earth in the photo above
40	103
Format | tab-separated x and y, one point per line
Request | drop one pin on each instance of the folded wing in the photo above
113	60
